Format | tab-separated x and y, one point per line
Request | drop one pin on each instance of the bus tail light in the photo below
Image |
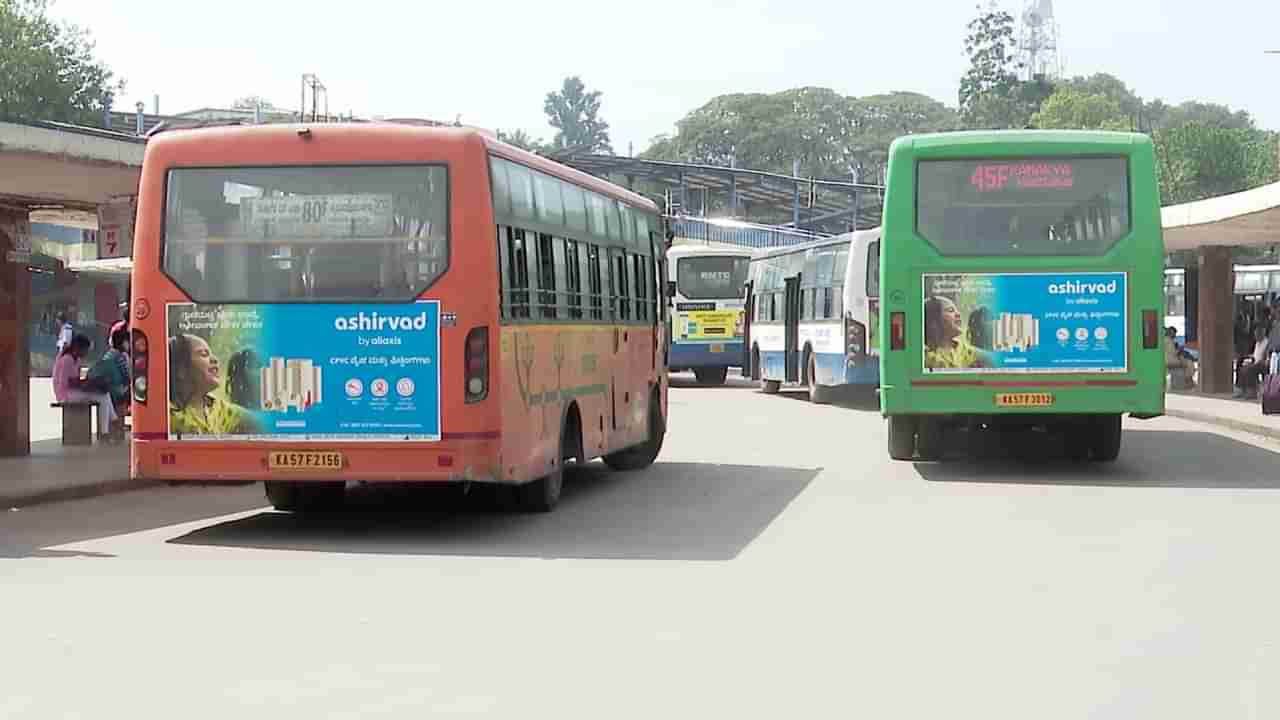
476	363
1150	330
898	331
138	357
855	340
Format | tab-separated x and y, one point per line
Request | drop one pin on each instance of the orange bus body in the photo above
539	373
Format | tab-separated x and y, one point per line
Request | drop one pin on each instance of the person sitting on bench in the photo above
1253	367
69	388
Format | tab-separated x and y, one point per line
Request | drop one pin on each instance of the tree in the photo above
574	113
1070	109
1197	161
48	71
989	95
522	140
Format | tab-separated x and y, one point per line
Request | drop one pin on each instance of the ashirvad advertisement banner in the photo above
302	372
1025	323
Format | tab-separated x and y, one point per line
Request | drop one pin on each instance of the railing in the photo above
734	232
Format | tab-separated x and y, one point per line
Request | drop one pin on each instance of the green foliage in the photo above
574	113
1197	161
48	71
1070	109
828	134
522	140
990	91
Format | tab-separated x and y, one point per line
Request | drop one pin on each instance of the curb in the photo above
1229	423
75	492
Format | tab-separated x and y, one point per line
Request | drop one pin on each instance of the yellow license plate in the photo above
717	348
1024	400
304	460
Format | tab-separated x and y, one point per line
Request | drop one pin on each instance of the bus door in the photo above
748	312
791	325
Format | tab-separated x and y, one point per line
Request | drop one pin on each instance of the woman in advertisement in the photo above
194	375
946	344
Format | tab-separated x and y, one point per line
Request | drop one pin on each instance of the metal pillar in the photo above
733	194
15	352
795	194
1216	329
684	193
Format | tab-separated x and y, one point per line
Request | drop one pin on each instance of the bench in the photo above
77	422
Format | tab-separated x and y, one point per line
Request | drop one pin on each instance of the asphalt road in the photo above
774	563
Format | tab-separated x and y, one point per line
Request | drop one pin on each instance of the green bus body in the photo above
906	388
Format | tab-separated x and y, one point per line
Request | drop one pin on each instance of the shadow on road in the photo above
1148	458
28	531
673	511
686	381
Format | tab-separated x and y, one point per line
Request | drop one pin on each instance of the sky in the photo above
492	64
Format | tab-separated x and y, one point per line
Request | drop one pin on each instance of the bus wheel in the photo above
1106	432
929	437
818	394
902	437
305	496
643	455
543	494
711	376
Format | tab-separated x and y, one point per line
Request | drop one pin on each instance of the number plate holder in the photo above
717	347
1021	400
305	460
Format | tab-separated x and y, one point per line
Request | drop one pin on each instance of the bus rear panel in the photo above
1022	284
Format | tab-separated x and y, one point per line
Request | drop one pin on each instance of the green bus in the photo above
1021	288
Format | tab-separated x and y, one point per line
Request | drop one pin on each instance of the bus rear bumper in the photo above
163	460
689	355
1135	400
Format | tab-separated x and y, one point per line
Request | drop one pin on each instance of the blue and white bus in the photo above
813	315
707	300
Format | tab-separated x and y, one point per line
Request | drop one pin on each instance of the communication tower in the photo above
1038	40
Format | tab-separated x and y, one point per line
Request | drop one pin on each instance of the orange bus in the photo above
378	302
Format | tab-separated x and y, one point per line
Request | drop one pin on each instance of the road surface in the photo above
774	563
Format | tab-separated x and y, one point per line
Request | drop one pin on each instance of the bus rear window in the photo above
712	277
1023	206
299	234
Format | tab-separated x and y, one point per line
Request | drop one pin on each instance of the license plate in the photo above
1024	400
304	460
717	348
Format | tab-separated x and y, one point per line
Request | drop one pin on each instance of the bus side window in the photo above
641	287
622	294
516	276
596	282
546	276
573	278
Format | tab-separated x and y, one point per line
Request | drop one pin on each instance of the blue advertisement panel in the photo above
304	372
1025	323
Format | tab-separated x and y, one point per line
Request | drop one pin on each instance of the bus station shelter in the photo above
1212	228
46	168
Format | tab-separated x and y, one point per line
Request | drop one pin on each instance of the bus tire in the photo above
1106	432
542	495
711	376
929	438
305	496
902	437
642	455
818	394
770	387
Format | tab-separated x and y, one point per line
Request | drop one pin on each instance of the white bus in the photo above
707	298
813	315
